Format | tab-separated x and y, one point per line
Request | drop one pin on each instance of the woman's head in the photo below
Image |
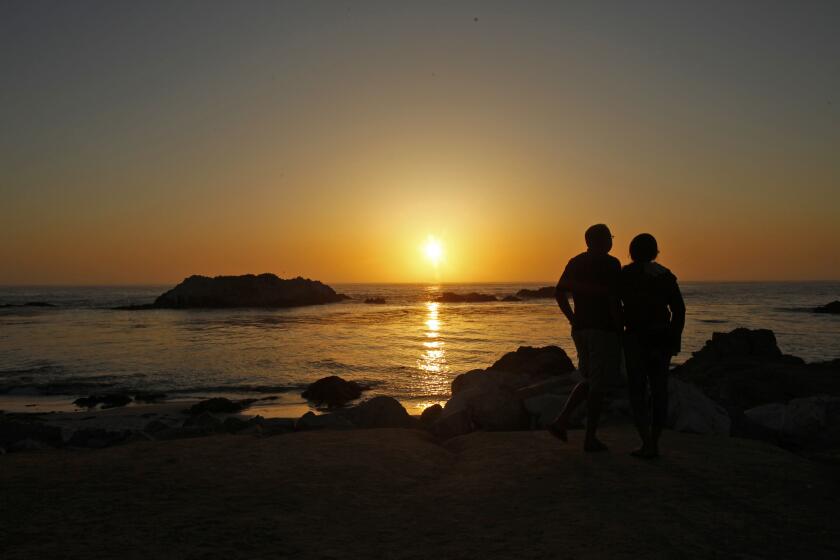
643	248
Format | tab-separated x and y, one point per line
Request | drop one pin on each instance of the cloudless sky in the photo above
142	142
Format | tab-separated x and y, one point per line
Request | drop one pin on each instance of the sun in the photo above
433	250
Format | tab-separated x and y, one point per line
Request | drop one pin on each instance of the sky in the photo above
142	142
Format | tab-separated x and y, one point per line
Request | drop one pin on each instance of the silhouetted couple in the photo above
637	308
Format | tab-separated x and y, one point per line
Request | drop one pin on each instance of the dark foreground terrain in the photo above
396	493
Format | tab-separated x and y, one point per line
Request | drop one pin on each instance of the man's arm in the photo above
562	297
675	328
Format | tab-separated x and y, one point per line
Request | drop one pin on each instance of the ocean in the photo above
409	348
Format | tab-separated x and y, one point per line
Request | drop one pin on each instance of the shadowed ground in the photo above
400	494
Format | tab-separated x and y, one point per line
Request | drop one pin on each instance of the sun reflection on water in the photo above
433	358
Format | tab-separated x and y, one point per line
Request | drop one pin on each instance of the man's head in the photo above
643	248
598	238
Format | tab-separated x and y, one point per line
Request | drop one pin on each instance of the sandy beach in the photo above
393	493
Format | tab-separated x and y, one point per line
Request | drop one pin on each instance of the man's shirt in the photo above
593	279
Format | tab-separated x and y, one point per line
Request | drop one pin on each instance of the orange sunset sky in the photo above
144	142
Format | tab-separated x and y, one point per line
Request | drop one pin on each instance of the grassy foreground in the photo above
400	494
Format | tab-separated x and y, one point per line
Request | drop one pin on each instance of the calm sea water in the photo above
409	348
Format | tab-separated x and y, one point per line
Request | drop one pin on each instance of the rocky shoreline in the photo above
738	384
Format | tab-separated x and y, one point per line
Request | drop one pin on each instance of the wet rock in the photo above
375	300
511	298
379	412
833	307
249	290
545	292
150	397
312	421
219	405
333	391
690	410
110	400
472	297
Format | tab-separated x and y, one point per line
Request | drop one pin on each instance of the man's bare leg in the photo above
579	394
594	403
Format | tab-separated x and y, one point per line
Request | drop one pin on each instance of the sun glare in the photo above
433	250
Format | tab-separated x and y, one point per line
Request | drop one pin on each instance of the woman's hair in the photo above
643	248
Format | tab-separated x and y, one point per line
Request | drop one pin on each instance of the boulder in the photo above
96	438
511	298
219	405
312	421
204	420
833	307
249	290
472	297
544	408
430	415
545	292
811	420
379	412
543	361
490	408
333	391
272	426
13	430
111	400
744	368
453	422
156	426
689	410
149	397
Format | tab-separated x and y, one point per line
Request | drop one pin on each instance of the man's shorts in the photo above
599	358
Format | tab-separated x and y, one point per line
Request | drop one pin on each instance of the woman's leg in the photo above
637	385
659	395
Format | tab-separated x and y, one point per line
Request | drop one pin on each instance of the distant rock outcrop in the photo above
375	300
833	307
249	290
545	292
472	297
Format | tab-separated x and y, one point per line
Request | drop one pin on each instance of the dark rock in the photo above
312	421
511	298
38	304
375	300
96	438
430	415
156	426
274	426
149	397
264	290
490	408
107	401
379	412
472	297
812	421
204	420
547	360
219	405
744	368
333	391
545	292
180	433
452	423
14	430
689	410
833	307
28	445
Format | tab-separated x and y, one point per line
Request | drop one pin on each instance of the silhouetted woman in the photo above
654	316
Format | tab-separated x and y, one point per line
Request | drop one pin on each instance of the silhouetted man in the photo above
654	316
592	278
